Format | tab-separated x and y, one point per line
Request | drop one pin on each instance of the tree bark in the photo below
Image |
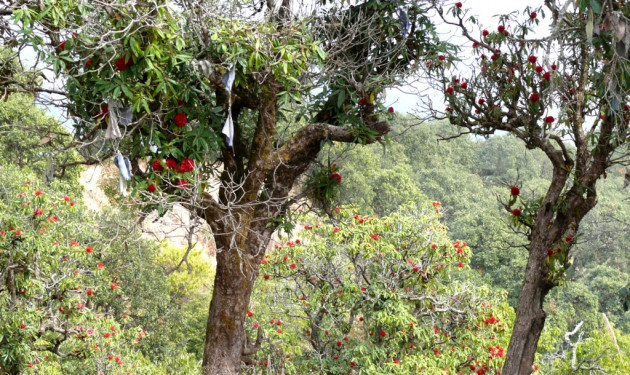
225	336
530	316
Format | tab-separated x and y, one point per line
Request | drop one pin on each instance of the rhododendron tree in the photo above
53	296
375	295
251	93
563	94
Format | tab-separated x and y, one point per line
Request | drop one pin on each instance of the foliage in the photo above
88	301
375	295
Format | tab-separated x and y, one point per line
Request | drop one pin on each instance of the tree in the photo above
302	77
374	295
563	94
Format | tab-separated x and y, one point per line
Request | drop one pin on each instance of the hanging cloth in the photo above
228	128
126	116
49	172
124	171
113	131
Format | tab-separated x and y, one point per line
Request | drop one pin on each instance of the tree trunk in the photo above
225	337
530	316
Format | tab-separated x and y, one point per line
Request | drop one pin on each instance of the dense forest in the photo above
321	229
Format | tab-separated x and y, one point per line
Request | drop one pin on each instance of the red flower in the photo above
171	163
90	292
532	59
481	101
383	333
464	85
362	102
516	212
107	335
494	57
292	266
390	109
553	66
121	64
352	364
88	249
88	63
180	103
449	90
62	45
182	183
458	4
485	33
180	119
338	343
38	211
22	326
187	165
501	28
151	188
533	15
539	69
460	264
534	98
546	76
549	119
336	176
374	236
441	58
475	45
38	193
249	313
515	191
113	286
157	165
100	265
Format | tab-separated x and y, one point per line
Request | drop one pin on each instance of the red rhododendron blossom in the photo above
449	90
182	183
157	165
383	333
151	188
464	85
515	191
485	33
38	212
553	66
88	249
187	165
532	59
533	15
549	119
539	69
534	98
516	212
88	63
38	193
121	64
475	45
100	265
113	286
180	119
171	163
546	76
458	4
336	176
390	109
62	45
501	28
